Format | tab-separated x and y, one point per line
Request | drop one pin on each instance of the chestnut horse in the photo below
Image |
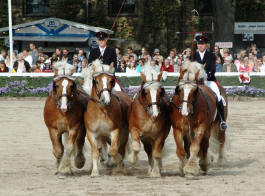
194	117
63	114
149	122
106	114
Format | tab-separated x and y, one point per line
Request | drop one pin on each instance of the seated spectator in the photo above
172	56
251	59
47	66
75	63
254	50
187	54
167	67
3	55
122	67
119	56
160	62
154	66
21	66
262	68
42	60
84	63
140	65
80	57
178	65
126	60
244	70
54	59
218	64
131	68
157	55
36	68
145	55
239	55
130	53
28	57
41	54
58	53
228	63
258	65
66	57
3	67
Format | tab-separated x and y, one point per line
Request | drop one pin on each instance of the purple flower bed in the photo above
20	88
242	91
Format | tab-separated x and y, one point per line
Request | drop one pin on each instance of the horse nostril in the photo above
64	110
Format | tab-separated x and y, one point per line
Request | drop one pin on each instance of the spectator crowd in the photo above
35	60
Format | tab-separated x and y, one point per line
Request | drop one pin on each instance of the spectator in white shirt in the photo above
3	55
27	57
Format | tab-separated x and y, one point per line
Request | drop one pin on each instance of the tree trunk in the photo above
224	19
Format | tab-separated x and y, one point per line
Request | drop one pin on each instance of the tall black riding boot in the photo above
220	108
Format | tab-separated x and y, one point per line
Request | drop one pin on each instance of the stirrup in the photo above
223	125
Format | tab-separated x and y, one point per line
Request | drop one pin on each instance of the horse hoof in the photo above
191	169
94	174
80	161
155	175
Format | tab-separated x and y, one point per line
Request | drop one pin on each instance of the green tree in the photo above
3	18
250	10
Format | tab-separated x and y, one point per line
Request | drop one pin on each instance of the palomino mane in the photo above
64	69
191	68
151	77
95	69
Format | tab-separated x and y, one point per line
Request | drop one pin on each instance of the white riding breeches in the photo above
213	86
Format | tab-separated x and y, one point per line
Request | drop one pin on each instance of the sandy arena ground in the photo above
27	165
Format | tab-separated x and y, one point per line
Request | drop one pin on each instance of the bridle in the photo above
98	93
181	83
147	105
57	99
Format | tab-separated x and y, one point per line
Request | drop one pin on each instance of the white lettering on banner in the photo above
249	27
224	44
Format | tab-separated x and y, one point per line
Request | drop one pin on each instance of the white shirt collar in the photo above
102	50
202	54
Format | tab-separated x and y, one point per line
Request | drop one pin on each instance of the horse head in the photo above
152	93
191	75
103	82
64	91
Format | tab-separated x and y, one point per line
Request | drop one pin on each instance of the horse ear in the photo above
55	72
159	77
72	72
143	77
197	75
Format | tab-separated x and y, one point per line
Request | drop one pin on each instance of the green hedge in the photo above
256	81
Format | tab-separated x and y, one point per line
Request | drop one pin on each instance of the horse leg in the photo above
181	153
221	161
148	150
157	154
114	146
192	165
57	145
79	144
94	151
204	151
136	145
65	165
